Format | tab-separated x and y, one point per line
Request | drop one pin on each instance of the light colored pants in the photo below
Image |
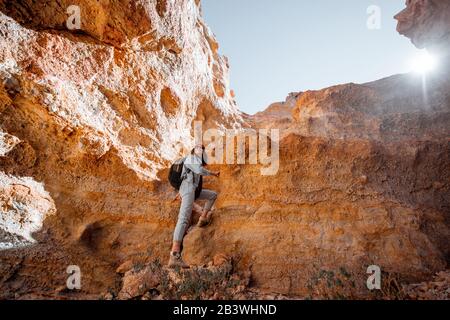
184	216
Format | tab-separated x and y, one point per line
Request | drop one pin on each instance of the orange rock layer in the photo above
90	121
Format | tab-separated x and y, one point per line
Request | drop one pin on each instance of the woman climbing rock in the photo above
191	175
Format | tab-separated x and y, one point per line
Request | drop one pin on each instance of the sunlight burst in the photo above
423	63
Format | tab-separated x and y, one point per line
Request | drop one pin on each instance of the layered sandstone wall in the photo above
363	180
93	115
132	78
90	120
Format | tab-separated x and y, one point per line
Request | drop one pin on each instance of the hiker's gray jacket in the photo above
191	177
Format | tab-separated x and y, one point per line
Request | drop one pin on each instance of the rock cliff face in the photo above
362	181
92	115
426	23
91	118
277	116
132	78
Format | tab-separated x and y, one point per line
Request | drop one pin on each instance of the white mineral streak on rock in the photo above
24	204
7	143
115	94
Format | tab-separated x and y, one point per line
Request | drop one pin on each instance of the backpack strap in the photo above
186	169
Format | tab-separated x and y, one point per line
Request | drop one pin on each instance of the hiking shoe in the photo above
204	221
176	261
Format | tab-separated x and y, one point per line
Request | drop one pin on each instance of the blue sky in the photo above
281	46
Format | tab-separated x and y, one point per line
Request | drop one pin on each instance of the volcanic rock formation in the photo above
90	120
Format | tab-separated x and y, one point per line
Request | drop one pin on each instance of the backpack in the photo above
175	173
175	178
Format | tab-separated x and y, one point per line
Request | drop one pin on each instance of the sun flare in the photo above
423	63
